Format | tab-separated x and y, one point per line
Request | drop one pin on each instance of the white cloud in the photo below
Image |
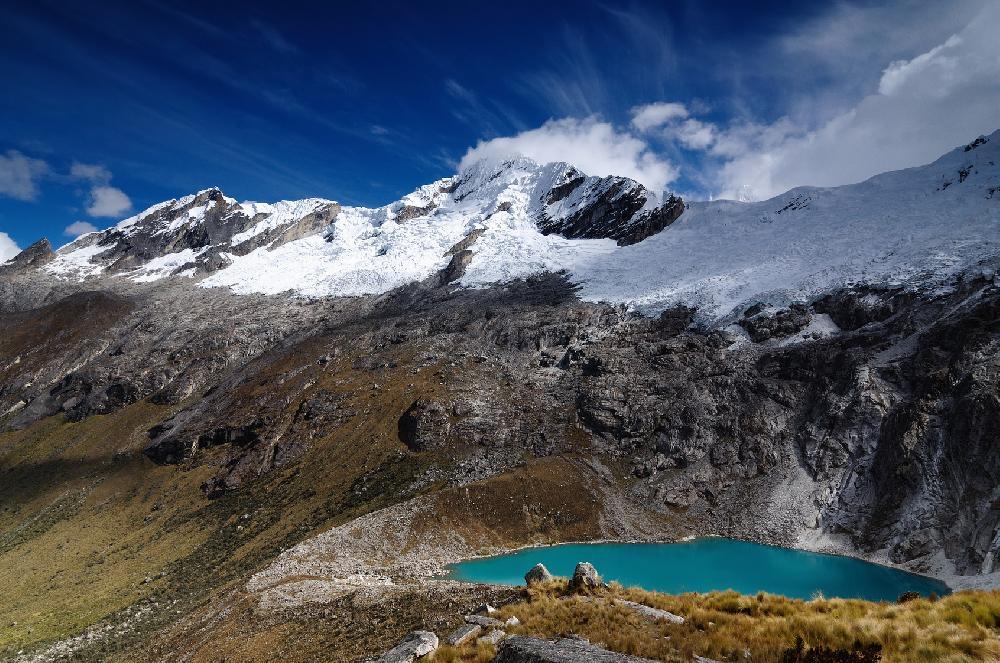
78	228
108	201
593	146
924	107
653	116
672	121
694	134
104	199
8	247
90	172
900	71
19	175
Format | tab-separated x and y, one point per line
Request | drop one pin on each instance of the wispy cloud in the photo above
487	116
278	42
572	84
94	173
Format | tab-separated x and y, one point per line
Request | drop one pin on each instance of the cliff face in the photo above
877	435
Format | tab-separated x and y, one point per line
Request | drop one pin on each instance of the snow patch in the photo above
164	266
76	263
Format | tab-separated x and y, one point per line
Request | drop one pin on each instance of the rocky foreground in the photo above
585	620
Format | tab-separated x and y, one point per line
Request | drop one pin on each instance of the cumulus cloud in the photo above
693	134
19	175
652	116
923	107
108	201
103	199
8	247
78	228
672	121
592	145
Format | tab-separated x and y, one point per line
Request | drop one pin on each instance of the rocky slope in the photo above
518	354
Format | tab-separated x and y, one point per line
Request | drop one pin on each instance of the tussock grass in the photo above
474	652
726	626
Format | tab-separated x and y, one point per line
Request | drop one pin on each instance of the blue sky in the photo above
110	107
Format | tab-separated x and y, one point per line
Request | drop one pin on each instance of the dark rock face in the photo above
856	307
522	649
424	426
407	212
612	211
762	325
649	223
882	435
208	224
35	255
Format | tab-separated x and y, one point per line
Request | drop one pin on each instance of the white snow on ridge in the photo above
77	263
904	227
164	266
362	254
277	214
919	226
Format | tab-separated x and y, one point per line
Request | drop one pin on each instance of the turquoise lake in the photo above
708	564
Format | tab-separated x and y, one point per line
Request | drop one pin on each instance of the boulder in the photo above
424	426
538	573
493	637
413	646
652	613
585	576
521	649
463	634
482	620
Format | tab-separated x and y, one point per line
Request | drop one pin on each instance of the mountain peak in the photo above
513	218
35	255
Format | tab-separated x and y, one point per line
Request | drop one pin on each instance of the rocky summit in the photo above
232	427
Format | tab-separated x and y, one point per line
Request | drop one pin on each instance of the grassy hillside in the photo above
731	627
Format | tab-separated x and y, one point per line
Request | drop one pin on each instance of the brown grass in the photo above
725	625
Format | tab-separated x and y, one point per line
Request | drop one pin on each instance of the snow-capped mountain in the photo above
516	218
840	393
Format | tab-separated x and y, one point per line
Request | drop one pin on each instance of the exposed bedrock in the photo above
880	436
618	209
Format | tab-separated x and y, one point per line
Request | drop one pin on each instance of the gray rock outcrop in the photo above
424	425
35	255
652	613
462	634
585	577
521	649
538	573
483	620
493	637
414	646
